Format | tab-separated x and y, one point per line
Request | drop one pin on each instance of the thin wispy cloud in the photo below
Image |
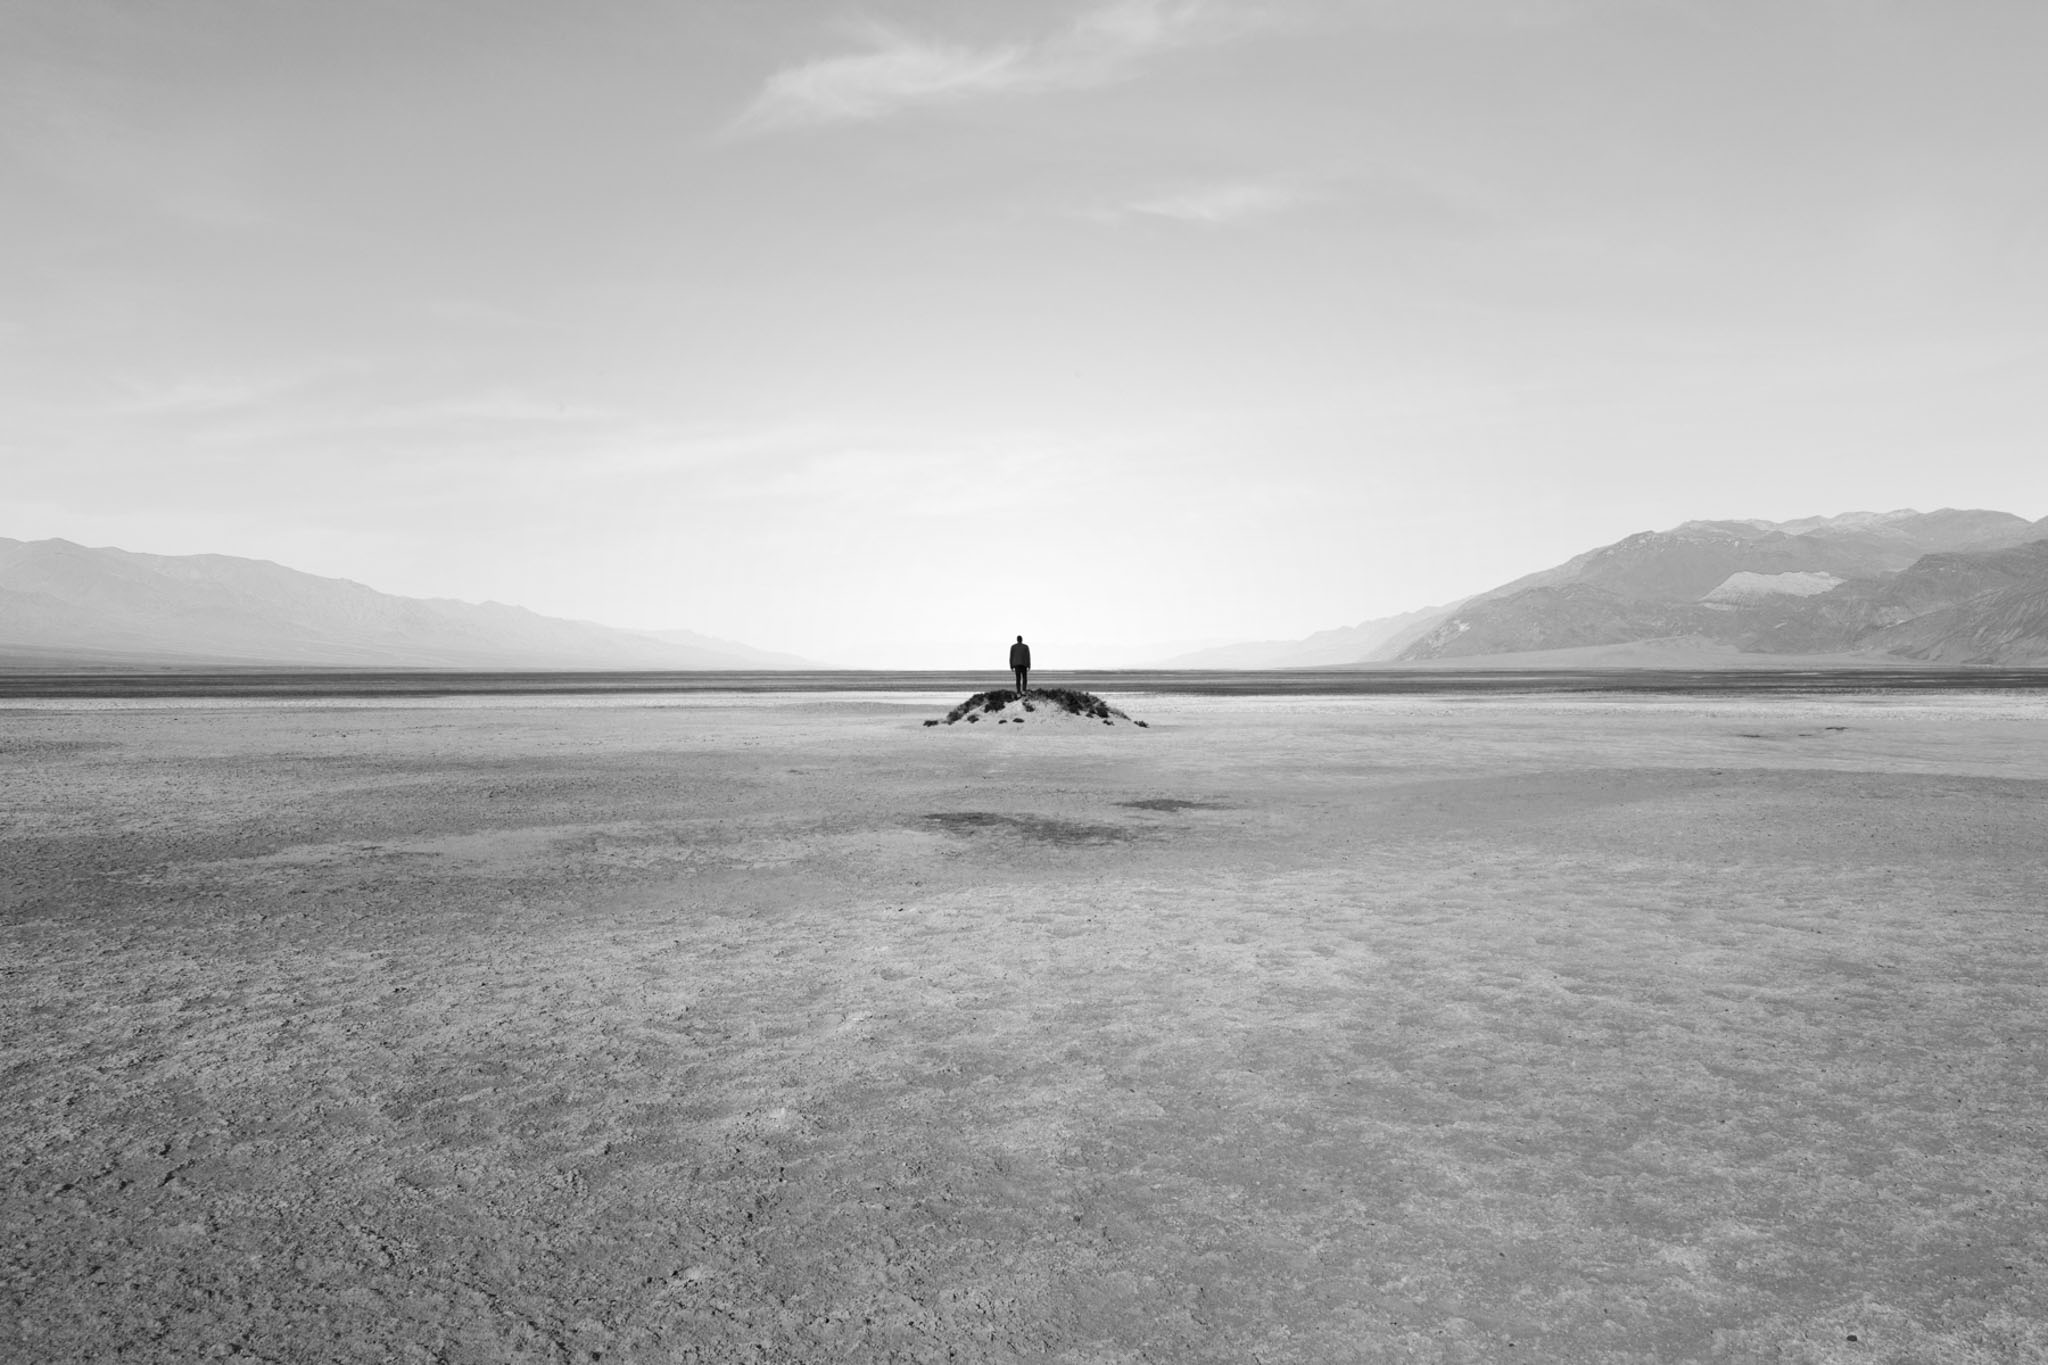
1225	202
899	71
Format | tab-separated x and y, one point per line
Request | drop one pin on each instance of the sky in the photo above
881	333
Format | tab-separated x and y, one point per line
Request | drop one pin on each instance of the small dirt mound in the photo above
1062	704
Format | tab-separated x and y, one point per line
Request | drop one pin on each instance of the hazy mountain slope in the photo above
1938	581
1396	644
755	658
1752	585
1362	643
1949	528
1845	521
1807	586
1691	559
1897	540
1990	607
1858	615
2005	626
56	595
1558	616
1687	562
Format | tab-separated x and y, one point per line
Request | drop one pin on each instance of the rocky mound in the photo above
1062	705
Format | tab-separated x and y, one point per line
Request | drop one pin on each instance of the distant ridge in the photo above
1363	643
1965	586
66	603
1954	586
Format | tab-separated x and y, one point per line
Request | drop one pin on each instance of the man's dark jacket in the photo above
1020	655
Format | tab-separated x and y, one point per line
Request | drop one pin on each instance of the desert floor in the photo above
1585	1029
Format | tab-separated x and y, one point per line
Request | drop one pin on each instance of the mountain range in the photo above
62	603
1951	586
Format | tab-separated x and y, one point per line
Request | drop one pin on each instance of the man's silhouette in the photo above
1020	663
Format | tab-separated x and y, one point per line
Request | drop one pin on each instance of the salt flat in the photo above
1415	1028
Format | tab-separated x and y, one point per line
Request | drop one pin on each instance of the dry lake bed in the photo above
783	1028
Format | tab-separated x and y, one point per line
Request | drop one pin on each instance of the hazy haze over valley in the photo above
1951	586
61	603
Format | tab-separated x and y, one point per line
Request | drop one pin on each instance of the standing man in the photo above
1020	663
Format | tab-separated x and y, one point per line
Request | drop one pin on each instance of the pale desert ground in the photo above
1586	1029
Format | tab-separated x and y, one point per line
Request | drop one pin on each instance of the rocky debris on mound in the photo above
1037	703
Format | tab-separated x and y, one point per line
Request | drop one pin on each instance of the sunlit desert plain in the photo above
1426	1028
